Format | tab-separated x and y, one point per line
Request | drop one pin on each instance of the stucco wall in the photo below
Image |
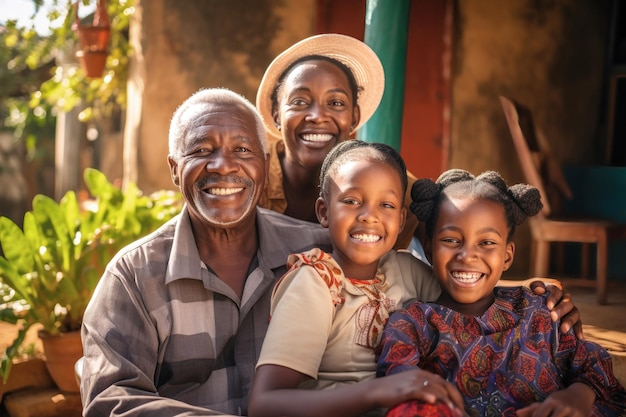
184	46
547	55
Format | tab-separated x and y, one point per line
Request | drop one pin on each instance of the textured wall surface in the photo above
548	55
184	46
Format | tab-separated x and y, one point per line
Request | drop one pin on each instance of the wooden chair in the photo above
551	225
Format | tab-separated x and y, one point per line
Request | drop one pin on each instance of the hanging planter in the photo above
94	41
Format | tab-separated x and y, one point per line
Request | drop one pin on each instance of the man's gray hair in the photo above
187	112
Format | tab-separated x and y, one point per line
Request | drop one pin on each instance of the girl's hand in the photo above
418	385
574	401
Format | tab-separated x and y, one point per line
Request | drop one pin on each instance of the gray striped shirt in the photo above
164	336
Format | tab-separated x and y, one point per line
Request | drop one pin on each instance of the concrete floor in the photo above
611	316
604	322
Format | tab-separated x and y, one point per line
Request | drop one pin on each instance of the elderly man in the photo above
176	324
178	319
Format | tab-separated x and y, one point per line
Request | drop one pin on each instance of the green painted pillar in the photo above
386	32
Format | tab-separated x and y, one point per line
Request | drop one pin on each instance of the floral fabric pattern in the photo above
509	357
372	315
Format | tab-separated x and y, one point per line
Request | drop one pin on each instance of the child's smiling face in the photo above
364	212
470	252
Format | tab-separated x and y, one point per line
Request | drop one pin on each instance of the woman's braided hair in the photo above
520	201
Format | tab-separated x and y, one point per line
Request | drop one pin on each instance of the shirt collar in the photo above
272	251
185	261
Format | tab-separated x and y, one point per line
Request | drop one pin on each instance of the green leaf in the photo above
38	245
70	208
15	246
7	314
11	277
11	40
62	238
128	218
10	353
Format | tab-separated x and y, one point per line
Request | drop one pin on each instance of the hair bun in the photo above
527	198
454	175
424	192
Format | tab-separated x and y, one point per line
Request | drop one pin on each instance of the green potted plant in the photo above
51	266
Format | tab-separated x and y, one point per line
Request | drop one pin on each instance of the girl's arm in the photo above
275	393
527	282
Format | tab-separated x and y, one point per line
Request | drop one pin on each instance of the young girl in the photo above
328	311
498	345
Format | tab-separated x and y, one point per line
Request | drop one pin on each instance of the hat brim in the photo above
359	57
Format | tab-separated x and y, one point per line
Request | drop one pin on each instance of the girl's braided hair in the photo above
520	201
357	150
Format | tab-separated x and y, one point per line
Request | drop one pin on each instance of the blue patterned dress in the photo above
511	356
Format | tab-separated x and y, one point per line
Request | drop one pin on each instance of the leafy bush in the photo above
52	265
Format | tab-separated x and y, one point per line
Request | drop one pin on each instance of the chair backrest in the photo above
540	168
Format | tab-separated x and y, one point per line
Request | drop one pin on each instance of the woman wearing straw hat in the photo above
313	95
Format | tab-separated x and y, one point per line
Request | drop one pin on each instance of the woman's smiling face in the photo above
315	111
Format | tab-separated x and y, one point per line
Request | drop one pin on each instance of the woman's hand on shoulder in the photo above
560	303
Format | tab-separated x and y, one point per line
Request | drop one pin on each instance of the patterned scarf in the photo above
372	315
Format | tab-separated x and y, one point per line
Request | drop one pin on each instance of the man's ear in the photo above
173	170
509	255
321	211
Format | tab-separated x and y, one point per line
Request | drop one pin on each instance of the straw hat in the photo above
356	55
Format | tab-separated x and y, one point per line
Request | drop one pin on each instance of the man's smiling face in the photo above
222	169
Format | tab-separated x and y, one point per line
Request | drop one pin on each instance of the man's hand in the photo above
560	303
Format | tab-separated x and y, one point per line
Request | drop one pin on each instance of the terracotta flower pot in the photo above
94	41
92	62
61	353
93	38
